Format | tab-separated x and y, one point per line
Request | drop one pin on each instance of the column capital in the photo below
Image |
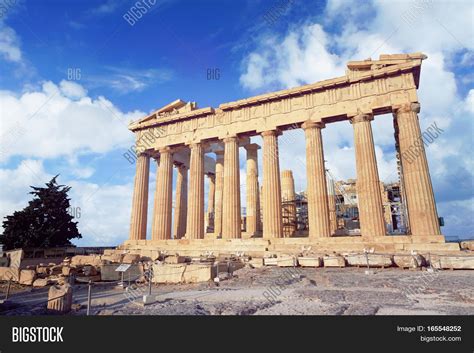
230	139
193	145
180	165
313	125
165	149
361	117
407	108
252	147
211	175
276	132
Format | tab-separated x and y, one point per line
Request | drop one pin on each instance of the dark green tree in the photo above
44	223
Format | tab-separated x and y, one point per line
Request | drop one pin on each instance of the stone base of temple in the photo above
259	247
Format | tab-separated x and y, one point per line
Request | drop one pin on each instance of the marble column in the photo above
231	218
332	206
368	184
253	207
195	216
318	209
163	196
219	193
181	197
210	203
422	214
288	198
272	219
140	199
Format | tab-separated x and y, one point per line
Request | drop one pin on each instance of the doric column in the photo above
163	196
332	206
253	207
368	183
288	198
231	219
140	199
211	203
422	214
318	209
181	197
272	219
195	216
219	193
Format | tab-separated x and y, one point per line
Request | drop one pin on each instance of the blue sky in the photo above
76	125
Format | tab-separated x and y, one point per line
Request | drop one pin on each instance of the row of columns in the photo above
224	193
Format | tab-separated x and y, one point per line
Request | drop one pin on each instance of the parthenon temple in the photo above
204	143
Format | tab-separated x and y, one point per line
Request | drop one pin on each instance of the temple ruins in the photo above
204	143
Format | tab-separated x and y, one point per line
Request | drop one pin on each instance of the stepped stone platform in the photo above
260	247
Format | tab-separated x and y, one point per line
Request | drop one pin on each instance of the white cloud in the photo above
61	121
72	90
125	80
9	44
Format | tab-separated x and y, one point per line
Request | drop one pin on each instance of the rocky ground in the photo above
277	291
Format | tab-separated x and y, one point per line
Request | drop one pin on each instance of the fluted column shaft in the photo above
318	209
368	184
288	197
272	218
422	214
179	227
195	216
219	193
140	199
231	218
253	207
211	201
332	206
163	197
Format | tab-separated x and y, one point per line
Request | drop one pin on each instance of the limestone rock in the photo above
131	258
334	261
408	260
375	260
310	261
113	258
27	277
41	282
175	259
82	260
453	262
60	298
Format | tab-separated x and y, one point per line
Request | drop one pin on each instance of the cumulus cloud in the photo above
9	44
61	120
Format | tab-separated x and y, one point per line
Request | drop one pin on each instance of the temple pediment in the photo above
176	107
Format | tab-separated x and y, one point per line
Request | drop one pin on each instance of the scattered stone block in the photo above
89	270
60	298
7	273
256	262
310	261
270	261
195	273
170	273
287	261
41	282
131	258
27	277
334	261
375	260
408	260
467	245
452	262
82	260
113	258
176	259
42	270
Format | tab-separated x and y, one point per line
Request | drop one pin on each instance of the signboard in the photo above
123	267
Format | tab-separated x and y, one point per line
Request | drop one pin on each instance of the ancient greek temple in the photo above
205	142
